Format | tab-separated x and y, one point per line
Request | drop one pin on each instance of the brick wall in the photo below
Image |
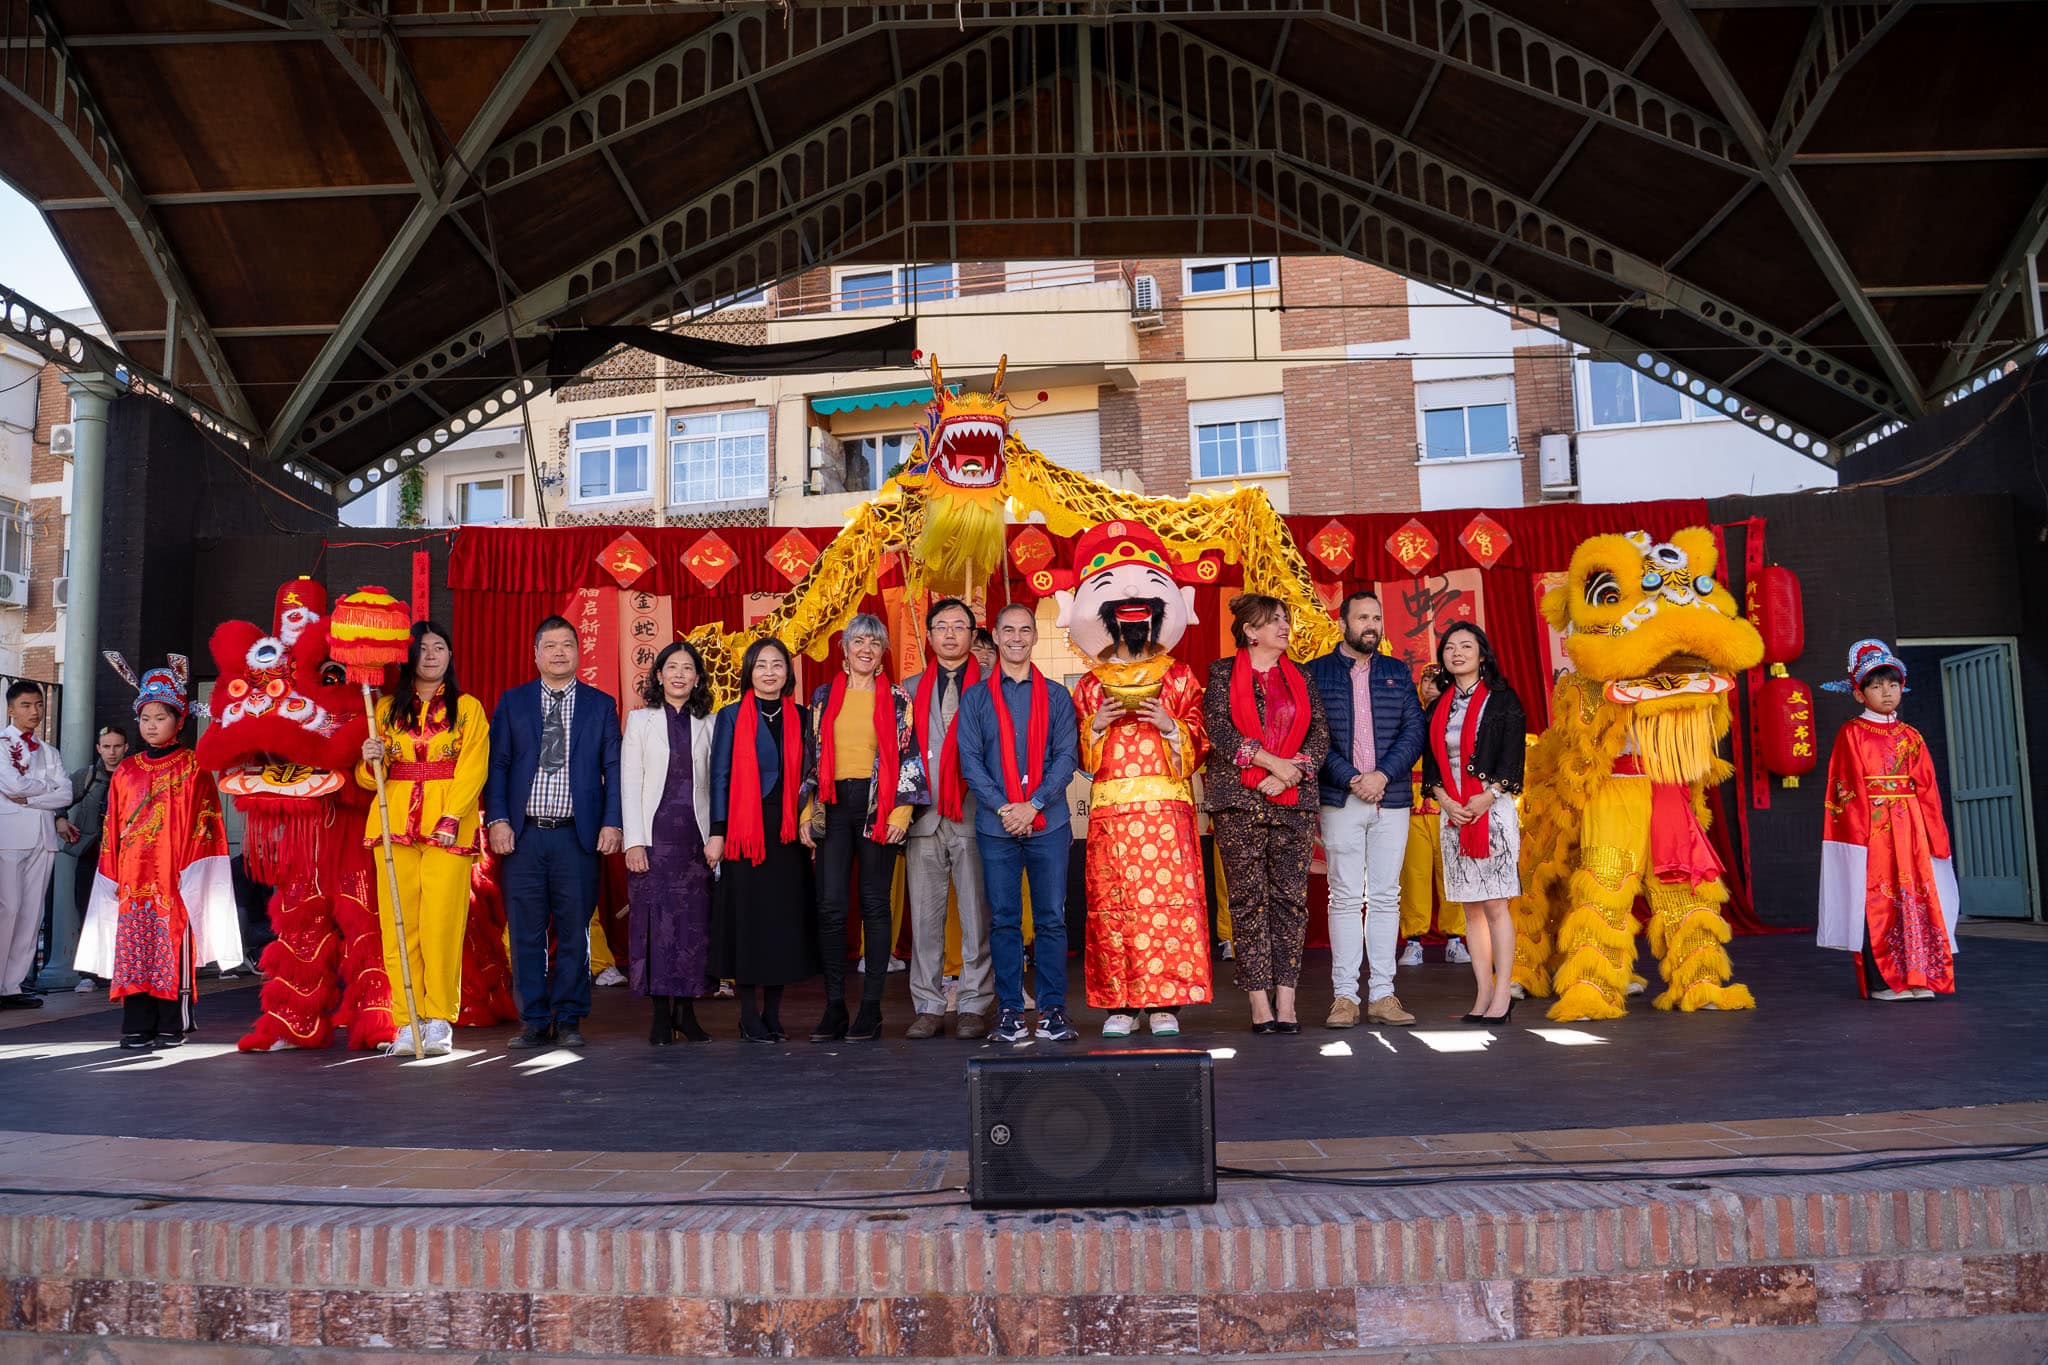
1162	457
1350	438
1543	404
625	373
46	524
735	327
1167	342
1336	301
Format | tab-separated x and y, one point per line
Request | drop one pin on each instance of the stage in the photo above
1752	1184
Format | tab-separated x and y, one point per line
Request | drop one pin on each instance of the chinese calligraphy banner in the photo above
646	625
1418	610
595	614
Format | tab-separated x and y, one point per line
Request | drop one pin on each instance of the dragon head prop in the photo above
287	728
1650	619
958	464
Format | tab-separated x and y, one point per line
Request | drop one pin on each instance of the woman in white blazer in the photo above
666	762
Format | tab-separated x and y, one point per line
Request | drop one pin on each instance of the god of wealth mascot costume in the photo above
287	731
1125	604
1615	794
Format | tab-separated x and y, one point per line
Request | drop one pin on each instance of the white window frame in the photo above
1465	393
578	445
878	471
1690	409
1211	412
15	530
899	294
514	496
673	438
1188	269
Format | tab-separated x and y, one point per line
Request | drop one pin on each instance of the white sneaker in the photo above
725	990
610	976
1165	1025
897	964
1119	1026
1454	951
1922	993
401	1046
440	1038
1411	956
1229	951
85	986
1891	995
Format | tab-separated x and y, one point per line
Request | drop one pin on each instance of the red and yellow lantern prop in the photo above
1778	611
370	631
1786	741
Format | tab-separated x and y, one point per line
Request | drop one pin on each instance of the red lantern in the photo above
1778	613
1788	744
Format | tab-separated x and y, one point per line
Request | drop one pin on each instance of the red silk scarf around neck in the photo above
1019	786
1474	839
1244	714
951	789
886	761
743	833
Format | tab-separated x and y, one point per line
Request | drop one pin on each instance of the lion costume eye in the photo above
1602	590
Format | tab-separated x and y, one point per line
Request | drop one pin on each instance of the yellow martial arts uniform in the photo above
434	779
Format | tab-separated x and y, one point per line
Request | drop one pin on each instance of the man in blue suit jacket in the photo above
552	804
1375	742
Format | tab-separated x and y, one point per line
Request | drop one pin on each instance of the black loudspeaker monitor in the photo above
1135	1127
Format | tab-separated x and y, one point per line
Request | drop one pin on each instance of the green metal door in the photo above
1990	834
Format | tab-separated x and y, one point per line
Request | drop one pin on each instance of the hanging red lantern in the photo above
1778	612
1787	742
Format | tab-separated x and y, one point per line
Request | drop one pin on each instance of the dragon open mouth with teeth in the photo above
958	464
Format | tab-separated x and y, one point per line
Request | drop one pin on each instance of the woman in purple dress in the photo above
667	798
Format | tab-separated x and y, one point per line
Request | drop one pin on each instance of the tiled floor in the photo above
60	1162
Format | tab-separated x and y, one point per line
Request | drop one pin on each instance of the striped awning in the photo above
868	402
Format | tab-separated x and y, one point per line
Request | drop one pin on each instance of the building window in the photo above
1620	395
890	287
1477	429
1223	277
718	456
609	457
871	459
13	536
483	502
1225	449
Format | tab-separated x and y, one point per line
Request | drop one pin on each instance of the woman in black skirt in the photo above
764	933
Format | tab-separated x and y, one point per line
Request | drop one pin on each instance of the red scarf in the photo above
950	786
1020	786
743	833
1244	714
886	764
1474	839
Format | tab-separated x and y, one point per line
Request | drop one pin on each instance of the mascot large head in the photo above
1127	596
958	465
287	729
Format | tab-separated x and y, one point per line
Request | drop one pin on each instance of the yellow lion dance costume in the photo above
1615	792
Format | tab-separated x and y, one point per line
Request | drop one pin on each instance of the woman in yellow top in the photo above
436	746
865	777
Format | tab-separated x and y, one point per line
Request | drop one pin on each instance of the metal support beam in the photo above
46	81
1841	36
865	145
427	215
371	57
2007	279
1734	105
384	190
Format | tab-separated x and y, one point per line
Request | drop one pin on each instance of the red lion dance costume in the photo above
286	735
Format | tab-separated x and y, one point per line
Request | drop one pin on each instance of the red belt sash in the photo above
436	771
1679	851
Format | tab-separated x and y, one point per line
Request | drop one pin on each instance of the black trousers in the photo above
147	1016
847	854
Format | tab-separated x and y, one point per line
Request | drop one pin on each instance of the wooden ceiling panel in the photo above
1755	260
1508	137
37	163
1884	217
456	75
123	292
1648	198
1946	76
286	263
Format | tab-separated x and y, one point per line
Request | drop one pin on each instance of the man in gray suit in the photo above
941	849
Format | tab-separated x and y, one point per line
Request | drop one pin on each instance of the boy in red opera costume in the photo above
1142	739
163	902
1885	859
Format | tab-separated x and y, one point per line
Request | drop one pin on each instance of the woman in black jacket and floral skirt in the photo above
1472	765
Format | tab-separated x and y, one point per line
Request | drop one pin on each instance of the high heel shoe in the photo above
753	1031
1286	1026
684	1019
1263	1026
1502	1017
832	1028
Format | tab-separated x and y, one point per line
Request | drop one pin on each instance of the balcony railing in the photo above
977	280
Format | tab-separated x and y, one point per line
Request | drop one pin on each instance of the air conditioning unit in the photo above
1145	311
1554	463
13	590
60	591
63	439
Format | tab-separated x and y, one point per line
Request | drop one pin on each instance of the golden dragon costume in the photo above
945	513
1615	794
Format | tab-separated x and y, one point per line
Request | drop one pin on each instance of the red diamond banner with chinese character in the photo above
1331	595
1031	551
1485	540
625	559
710	559
793	556
1334	546
1412	546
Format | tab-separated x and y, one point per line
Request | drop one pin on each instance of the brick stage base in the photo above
1919	1263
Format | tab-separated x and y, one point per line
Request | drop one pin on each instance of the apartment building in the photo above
35	507
1334	385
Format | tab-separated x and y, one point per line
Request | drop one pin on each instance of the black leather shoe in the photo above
867	1025
21	1000
1266	1026
568	1035
530	1038
832	1028
754	1031
1286	1026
